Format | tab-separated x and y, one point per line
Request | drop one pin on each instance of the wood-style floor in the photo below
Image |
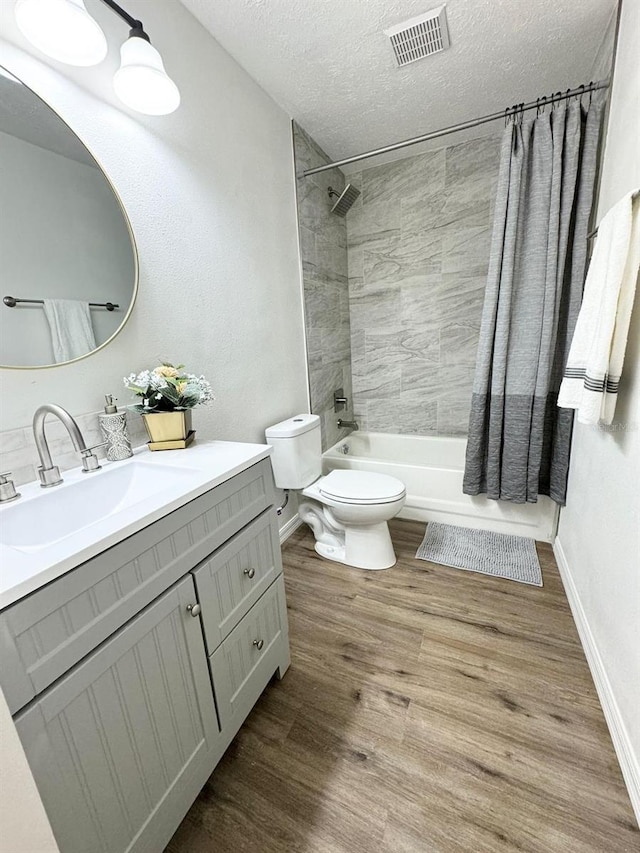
426	710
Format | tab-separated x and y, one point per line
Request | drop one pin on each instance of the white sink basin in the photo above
47	532
61	511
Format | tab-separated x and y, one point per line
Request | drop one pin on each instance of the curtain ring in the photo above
506	116
590	93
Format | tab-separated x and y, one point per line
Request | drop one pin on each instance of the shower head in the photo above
346	198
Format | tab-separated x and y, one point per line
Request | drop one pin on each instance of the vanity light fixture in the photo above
64	30
141	81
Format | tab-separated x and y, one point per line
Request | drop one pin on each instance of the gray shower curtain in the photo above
519	440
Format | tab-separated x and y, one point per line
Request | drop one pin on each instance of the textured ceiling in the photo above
329	64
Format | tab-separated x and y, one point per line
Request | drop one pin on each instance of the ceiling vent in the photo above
420	37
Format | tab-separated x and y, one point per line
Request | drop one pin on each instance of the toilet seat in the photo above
361	487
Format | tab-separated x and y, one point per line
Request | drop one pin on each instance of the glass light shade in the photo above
141	81
63	29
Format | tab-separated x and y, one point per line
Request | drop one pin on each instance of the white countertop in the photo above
202	466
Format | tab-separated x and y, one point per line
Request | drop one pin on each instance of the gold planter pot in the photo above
168	426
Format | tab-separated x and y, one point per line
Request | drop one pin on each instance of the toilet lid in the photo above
361	487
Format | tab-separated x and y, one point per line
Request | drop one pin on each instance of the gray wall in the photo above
418	254
323	245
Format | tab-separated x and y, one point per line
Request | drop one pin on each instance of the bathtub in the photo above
431	468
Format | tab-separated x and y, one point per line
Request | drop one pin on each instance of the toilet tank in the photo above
297	451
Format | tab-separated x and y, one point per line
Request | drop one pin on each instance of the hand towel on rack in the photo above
594	366
71	329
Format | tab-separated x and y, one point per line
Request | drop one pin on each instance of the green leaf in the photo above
189	401
170	393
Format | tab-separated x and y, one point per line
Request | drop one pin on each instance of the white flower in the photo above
156	381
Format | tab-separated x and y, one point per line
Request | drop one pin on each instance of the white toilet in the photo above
348	510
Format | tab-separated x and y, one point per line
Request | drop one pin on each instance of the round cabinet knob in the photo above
194	609
258	644
250	573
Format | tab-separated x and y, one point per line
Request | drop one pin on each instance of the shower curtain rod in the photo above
465	125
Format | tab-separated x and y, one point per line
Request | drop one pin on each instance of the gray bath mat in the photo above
497	554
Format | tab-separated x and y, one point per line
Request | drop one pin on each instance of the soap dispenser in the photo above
113	425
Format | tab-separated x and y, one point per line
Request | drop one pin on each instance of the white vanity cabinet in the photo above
130	675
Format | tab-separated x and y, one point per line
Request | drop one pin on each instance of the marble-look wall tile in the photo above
355	264
325	272
466	251
453	415
459	343
461	296
376	310
331	262
367	225
403	178
472	159
410	415
410	258
379	380
418	252
453	207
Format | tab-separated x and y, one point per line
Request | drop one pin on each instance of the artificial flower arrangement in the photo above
167	388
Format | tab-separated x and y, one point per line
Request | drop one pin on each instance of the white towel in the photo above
594	366
71	329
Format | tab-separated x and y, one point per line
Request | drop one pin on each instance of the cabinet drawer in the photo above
246	660
231	581
46	633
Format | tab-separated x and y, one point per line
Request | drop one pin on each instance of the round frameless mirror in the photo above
68	262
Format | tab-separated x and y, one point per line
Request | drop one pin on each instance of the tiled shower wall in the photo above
415	247
323	244
418	253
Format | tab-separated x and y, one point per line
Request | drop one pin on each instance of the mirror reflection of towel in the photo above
71	329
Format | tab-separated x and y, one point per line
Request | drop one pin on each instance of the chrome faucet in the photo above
48	472
347	424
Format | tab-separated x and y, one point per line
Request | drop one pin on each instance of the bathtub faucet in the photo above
347	424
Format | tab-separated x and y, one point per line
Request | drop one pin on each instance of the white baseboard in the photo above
287	529
629	761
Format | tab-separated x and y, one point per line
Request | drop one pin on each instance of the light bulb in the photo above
141	81
63	29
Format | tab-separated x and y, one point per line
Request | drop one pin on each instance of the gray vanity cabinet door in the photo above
231	581
120	747
242	666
